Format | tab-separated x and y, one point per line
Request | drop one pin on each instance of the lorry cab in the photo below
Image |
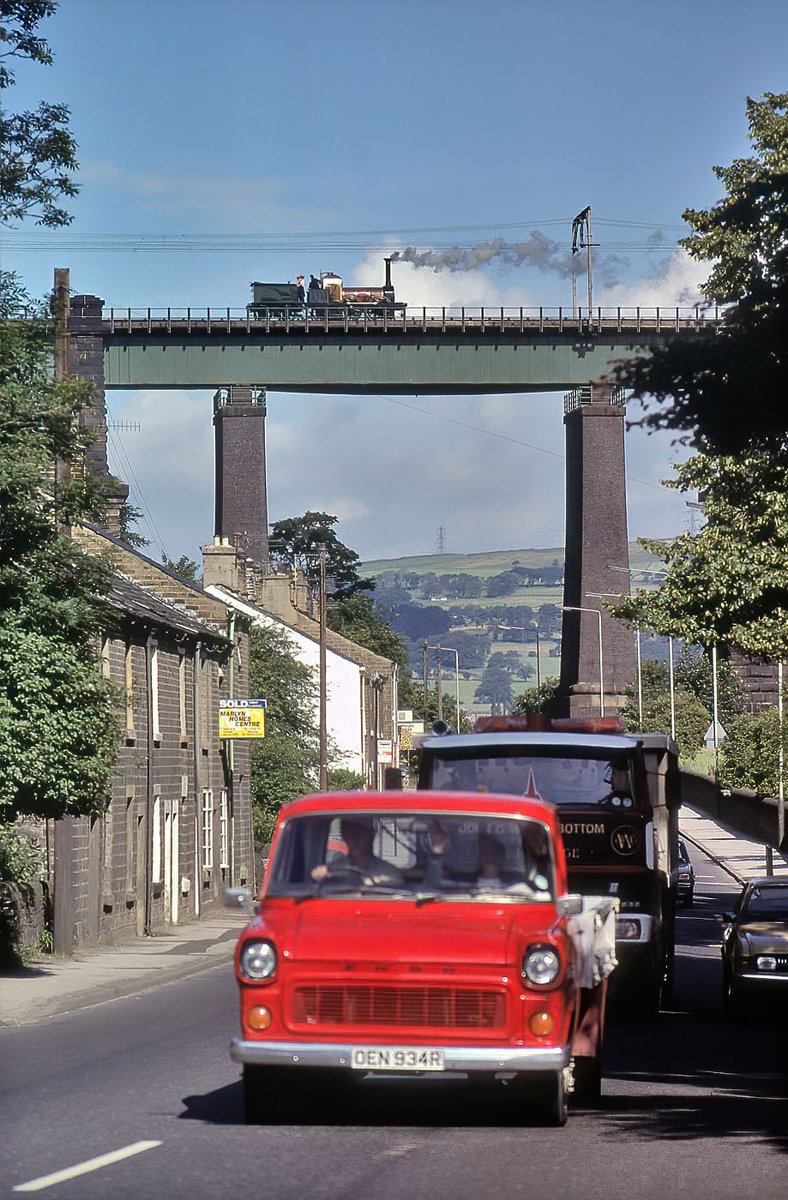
617	797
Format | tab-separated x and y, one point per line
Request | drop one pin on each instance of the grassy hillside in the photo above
490	610
492	562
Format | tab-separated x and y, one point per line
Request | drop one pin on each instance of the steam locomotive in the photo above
333	296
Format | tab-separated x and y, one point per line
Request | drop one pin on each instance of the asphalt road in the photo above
690	1108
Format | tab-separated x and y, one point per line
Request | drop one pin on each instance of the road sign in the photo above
242	718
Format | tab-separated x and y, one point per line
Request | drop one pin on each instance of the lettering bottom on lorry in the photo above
399	1058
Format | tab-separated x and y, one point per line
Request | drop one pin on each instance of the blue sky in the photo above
327	130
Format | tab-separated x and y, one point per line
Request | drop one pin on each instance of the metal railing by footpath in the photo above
757	818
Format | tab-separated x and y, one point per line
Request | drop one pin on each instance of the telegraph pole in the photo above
322	675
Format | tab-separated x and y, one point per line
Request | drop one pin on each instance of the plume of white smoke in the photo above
539	251
677	281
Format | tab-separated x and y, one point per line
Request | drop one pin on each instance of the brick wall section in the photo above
119	885
596	538
241	501
86	362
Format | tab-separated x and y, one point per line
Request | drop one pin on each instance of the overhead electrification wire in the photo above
337	241
504	437
120	451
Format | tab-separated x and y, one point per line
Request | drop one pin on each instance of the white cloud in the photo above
677	282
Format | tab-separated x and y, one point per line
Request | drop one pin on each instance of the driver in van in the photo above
358	834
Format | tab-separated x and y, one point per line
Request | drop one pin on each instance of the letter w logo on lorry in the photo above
625	840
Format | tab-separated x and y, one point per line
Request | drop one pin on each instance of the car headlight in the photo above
258	960
628	929
766	962
541	965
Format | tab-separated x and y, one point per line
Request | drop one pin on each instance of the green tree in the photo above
285	762
691	717
726	586
695	673
58	722
728	389
37	149
297	541
537	700
358	618
749	756
185	567
495	688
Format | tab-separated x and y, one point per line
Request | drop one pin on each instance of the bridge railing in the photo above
348	319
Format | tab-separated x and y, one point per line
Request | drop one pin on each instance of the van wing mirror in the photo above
239	898
570	905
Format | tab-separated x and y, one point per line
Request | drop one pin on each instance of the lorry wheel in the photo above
646	996
268	1095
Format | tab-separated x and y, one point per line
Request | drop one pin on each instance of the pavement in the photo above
49	985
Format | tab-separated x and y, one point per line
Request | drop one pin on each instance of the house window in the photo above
205	701
156	857
129	680
154	691
182	692
131	844
207	829
224	831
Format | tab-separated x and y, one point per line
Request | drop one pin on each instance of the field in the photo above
406	572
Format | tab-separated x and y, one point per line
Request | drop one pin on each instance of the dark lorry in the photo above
618	798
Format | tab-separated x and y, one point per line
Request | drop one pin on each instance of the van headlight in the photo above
766	962
258	960
541	965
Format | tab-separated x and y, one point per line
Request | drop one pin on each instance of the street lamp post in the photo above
448	649
376	683
598	614
629	571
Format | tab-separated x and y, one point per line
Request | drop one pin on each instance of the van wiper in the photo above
391	890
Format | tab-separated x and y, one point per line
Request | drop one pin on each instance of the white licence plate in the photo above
399	1058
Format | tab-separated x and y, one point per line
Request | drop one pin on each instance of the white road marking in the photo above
92	1164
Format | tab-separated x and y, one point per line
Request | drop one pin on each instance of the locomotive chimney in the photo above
388	289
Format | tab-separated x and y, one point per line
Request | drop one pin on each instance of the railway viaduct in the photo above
415	351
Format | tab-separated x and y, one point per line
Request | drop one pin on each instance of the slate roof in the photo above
134	599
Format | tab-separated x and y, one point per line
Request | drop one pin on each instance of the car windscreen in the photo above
766	904
407	855
561	780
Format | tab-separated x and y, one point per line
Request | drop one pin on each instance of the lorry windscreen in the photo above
575	781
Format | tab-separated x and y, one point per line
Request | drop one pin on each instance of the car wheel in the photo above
731	1000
